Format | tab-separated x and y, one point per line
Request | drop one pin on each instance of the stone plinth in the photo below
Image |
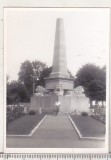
64	83
74	103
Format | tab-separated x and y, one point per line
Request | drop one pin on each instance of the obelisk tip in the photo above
59	19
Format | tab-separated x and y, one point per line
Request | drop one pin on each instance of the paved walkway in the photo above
54	132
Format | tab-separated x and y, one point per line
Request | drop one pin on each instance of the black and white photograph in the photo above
56	71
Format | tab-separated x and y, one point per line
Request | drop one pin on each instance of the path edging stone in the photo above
33	130
80	134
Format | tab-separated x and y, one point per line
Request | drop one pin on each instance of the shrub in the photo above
32	112
84	114
13	112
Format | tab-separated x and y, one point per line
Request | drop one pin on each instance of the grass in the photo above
23	125
88	126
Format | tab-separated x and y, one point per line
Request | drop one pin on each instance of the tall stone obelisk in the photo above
59	67
59	75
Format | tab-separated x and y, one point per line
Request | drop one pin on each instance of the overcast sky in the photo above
29	34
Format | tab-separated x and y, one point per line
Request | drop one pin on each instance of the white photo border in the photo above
50	4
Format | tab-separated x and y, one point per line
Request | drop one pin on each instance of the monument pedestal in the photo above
69	104
59	83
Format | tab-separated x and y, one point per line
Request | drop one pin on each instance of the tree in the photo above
93	80
29	74
38	69
96	90
45	74
25	73
16	92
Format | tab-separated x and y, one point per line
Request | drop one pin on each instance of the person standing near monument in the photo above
57	106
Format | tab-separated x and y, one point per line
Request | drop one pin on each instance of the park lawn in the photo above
88	126
23	125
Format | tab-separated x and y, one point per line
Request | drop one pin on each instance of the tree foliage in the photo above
96	90
38	68
25	73
45	74
30	73
93	80
16	92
